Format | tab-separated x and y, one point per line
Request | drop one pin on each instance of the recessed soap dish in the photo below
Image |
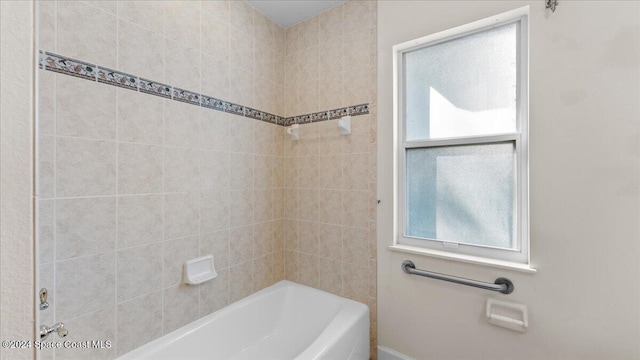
198	270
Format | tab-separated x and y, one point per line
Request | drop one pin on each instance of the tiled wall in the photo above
131	185
330	180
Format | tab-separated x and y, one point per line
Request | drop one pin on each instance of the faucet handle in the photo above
61	330
43	299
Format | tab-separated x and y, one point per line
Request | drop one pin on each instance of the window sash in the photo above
520	139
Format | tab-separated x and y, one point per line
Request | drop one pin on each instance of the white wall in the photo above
584	301
16	235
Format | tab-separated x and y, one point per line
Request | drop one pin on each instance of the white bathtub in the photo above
284	321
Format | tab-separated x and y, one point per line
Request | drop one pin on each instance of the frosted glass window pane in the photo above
463	87
462	194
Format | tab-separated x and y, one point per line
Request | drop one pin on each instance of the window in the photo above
461	122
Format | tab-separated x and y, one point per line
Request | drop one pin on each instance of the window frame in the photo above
519	258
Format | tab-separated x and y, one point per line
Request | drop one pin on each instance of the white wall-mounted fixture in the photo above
344	124
198	270
293	131
499	314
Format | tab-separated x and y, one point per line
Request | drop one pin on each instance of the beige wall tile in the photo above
330	275
262	272
139	271
85	109
99	325
329	206
93	39
240	245
309	64
110	6
291	271
140	51
214	294
139	220
292	37
263	238
356	282
218	9
47	23
358	14
356	87
308	269
175	253
182	66
308	204
216	244
85	167
215	39
214	211
181	169
241	52
181	215
46	101
241	17
215	78
140	117
331	95
214	170
241	208
355	208
142	312
180	306
182	22
263	172
331	59
309	34
214	130
46	228
241	85
85	285
145	13
242	171
330	241
356	50
356	171
181	124
359	141
308	237
278	203
139	169
263	205
291	207
241	134
331	23
330	171
355	246
240	281
263	30
85	226
278	265
308	172
45	186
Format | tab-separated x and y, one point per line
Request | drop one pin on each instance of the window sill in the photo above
463	258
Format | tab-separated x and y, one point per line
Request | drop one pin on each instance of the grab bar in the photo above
501	284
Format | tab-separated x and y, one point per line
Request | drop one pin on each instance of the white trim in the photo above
519	257
470	259
389	354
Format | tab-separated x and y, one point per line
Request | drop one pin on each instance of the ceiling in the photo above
290	12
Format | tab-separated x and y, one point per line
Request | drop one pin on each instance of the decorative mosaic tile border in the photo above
64	65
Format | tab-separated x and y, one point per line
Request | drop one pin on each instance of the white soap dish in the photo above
196	271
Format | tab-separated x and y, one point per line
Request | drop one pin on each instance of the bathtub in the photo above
284	321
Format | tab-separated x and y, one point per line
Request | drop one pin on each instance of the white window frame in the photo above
516	259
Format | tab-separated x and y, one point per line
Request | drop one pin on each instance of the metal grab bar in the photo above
501	284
